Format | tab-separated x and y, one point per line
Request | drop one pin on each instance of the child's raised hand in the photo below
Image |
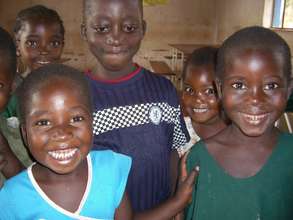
186	182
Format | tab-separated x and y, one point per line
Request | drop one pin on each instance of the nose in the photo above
114	37
43	49
257	95
198	97
61	133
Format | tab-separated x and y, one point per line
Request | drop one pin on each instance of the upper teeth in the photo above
62	154
254	119
43	62
199	110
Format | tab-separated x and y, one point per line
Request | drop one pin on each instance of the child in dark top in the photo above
68	181
9	164
200	99
136	112
246	169
39	37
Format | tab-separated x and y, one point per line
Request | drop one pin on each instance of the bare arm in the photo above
9	163
174	161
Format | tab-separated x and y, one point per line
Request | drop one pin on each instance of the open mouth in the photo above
200	110
254	119
63	154
43	62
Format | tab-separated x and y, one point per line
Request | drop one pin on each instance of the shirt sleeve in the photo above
123	163
5	204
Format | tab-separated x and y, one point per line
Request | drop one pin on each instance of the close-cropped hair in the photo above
258	39
87	7
8	50
200	57
37	13
44	76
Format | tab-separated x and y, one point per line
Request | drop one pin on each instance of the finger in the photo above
192	176
183	169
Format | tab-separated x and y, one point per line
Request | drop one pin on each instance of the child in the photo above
68	181
9	164
136	112
39	37
200	99
246	169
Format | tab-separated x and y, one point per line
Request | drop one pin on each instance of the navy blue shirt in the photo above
140	116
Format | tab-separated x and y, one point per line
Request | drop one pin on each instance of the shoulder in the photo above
157	78
110	159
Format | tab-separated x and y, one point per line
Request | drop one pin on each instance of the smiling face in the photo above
254	90
199	96
114	30
40	43
58	126
6	80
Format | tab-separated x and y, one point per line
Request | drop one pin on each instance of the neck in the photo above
44	175
205	131
102	73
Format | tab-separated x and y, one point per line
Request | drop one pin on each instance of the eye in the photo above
129	28
1	85
238	85
210	91
102	29
43	122
77	119
56	43
31	43
271	86
189	90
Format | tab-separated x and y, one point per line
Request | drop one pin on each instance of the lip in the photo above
63	155
255	119
200	110
43	62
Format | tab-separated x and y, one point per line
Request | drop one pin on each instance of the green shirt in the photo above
267	195
11	108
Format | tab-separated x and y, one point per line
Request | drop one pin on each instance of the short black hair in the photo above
255	38
86	7
8	51
201	56
44	76
37	12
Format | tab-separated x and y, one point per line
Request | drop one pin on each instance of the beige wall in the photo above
180	21
235	14
176	22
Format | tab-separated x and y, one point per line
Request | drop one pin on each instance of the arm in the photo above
9	164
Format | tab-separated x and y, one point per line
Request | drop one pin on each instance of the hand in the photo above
186	182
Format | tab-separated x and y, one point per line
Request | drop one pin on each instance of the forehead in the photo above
114	8
41	26
195	72
254	61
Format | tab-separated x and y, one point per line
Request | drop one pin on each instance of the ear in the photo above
17	42
290	88
144	27
23	134
83	31
219	88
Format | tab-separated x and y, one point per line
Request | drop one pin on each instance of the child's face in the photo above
58	127
114	30
254	91
40	43
199	95
5	85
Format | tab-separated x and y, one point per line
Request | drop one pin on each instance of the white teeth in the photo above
200	110
62	154
254	119
43	62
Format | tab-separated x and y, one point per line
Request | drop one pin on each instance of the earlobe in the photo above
144	27
83	31
219	88
290	88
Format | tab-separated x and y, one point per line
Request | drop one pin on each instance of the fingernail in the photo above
197	168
